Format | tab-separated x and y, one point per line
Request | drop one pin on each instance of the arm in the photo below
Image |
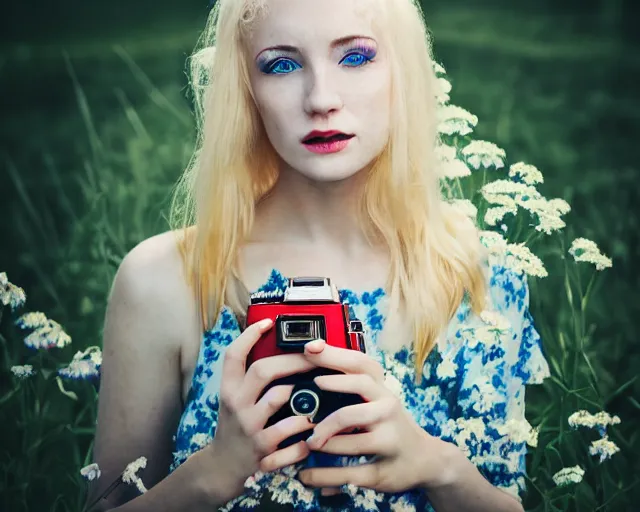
462	487
150	313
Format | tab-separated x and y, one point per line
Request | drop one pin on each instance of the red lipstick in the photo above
326	142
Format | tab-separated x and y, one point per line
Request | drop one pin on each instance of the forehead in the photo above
297	22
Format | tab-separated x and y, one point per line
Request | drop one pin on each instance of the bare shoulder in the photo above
151	281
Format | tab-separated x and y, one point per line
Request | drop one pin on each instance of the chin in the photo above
329	170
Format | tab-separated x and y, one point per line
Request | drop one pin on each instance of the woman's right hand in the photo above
241	445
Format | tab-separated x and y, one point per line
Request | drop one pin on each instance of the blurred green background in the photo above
554	83
96	128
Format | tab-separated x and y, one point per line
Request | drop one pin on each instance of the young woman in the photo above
316	157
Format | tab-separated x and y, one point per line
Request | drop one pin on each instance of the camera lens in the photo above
304	402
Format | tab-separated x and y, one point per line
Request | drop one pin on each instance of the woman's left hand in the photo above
407	456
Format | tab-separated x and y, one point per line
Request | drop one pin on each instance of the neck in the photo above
318	214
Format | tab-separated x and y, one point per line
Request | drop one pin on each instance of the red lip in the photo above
316	133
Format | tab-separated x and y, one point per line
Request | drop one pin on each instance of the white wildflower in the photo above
466	207
548	213
501	187
91	472
450	166
84	365
453	169
603	447
444	152
533	434
501	200
587	251
455	120
129	476
480	153
48	335
32	320
494	215
22	371
560	206
599	420
520	258
515	256
493	241
529	174
10	294
570	475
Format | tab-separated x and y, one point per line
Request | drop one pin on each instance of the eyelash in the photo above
360	52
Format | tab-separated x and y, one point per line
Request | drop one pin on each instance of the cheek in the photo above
371	102
276	105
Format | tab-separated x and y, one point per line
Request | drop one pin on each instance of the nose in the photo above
322	96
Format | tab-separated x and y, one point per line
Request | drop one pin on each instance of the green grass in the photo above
89	176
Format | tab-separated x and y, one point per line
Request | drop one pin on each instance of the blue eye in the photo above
356	59
282	66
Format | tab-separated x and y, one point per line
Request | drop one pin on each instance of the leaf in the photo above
622	388
70	394
634	402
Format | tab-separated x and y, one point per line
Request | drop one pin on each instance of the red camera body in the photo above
310	309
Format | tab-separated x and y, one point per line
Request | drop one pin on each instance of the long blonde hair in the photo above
435	251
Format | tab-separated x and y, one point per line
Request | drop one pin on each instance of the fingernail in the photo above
266	322
311	439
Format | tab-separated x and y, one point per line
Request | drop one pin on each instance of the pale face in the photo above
326	80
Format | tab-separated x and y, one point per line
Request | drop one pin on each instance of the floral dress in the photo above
472	394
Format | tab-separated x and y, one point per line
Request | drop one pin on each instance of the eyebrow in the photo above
342	41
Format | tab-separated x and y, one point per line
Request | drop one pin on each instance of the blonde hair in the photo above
435	251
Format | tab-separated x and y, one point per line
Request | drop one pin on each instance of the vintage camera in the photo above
310	309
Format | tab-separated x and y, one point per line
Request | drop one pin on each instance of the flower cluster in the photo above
84	365
570	475
130	474
516	256
600	421
23	371
10	294
508	196
587	251
46	333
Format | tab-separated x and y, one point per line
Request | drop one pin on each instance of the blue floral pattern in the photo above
471	394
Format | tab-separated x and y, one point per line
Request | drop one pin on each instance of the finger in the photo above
363	475
343	359
347	418
358	384
235	356
284	457
266	370
367	443
255	417
268	439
